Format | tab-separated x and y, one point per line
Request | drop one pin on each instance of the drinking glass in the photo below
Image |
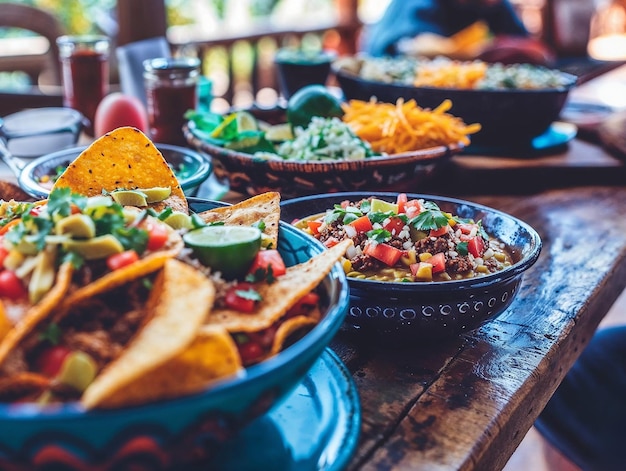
171	89
85	71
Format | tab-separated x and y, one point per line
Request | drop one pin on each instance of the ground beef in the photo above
427	244
458	265
365	263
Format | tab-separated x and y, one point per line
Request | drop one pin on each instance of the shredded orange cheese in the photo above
405	127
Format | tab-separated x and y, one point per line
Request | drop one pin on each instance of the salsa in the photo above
408	241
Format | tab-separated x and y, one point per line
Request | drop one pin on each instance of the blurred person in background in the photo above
465	29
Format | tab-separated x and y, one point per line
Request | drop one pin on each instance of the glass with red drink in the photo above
171	85
85	70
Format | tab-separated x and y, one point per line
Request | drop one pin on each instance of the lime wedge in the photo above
178	220
279	133
227	128
156	194
129	198
227	249
380	206
246	122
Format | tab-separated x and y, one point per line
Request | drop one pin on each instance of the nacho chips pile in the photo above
110	309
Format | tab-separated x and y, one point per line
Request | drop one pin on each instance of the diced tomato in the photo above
11	286
250	352
438	261
401	202
36	210
266	258
50	360
345	204
3	254
314	226
331	242
476	246
235	301
362	224
394	225
412	208
304	305
157	235
464	238
465	228
385	253
439	232
122	259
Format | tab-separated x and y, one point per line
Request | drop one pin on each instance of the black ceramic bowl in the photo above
395	313
251	176
191	168
506	116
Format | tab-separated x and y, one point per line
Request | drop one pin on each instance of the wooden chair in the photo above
41	22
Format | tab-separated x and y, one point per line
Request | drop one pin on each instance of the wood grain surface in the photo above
466	404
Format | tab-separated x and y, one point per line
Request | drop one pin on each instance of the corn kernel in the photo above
425	256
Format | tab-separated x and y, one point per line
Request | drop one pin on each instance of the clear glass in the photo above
171	89
85	71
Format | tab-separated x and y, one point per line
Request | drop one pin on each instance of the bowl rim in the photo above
222	388
427	155
342	73
438	286
29	184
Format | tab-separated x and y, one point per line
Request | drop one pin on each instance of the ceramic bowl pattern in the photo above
195	168
392	312
505	115
251	176
174	432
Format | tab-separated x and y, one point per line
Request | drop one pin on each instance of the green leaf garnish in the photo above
430	218
461	248
250	293
51	333
379	235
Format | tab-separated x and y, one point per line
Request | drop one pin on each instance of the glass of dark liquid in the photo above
85	70
171	89
298	68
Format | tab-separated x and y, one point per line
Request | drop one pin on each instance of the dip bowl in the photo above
191	168
408	313
173	434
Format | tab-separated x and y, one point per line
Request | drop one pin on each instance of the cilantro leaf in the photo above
379	235
51	333
430	218
461	248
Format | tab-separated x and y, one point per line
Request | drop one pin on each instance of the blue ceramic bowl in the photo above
191	168
404	313
170	434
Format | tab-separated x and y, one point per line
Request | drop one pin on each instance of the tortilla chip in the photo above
298	324
148	264
180	299
211	356
264	207
37	313
280	296
122	159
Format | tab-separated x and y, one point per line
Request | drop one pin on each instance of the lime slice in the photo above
129	198
156	194
380	206
227	128
227	249
279	133
178	220
246	122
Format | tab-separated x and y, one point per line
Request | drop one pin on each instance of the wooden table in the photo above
466	404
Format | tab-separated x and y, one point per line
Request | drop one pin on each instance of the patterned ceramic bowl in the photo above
170	434
393	312
191	168
251	176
